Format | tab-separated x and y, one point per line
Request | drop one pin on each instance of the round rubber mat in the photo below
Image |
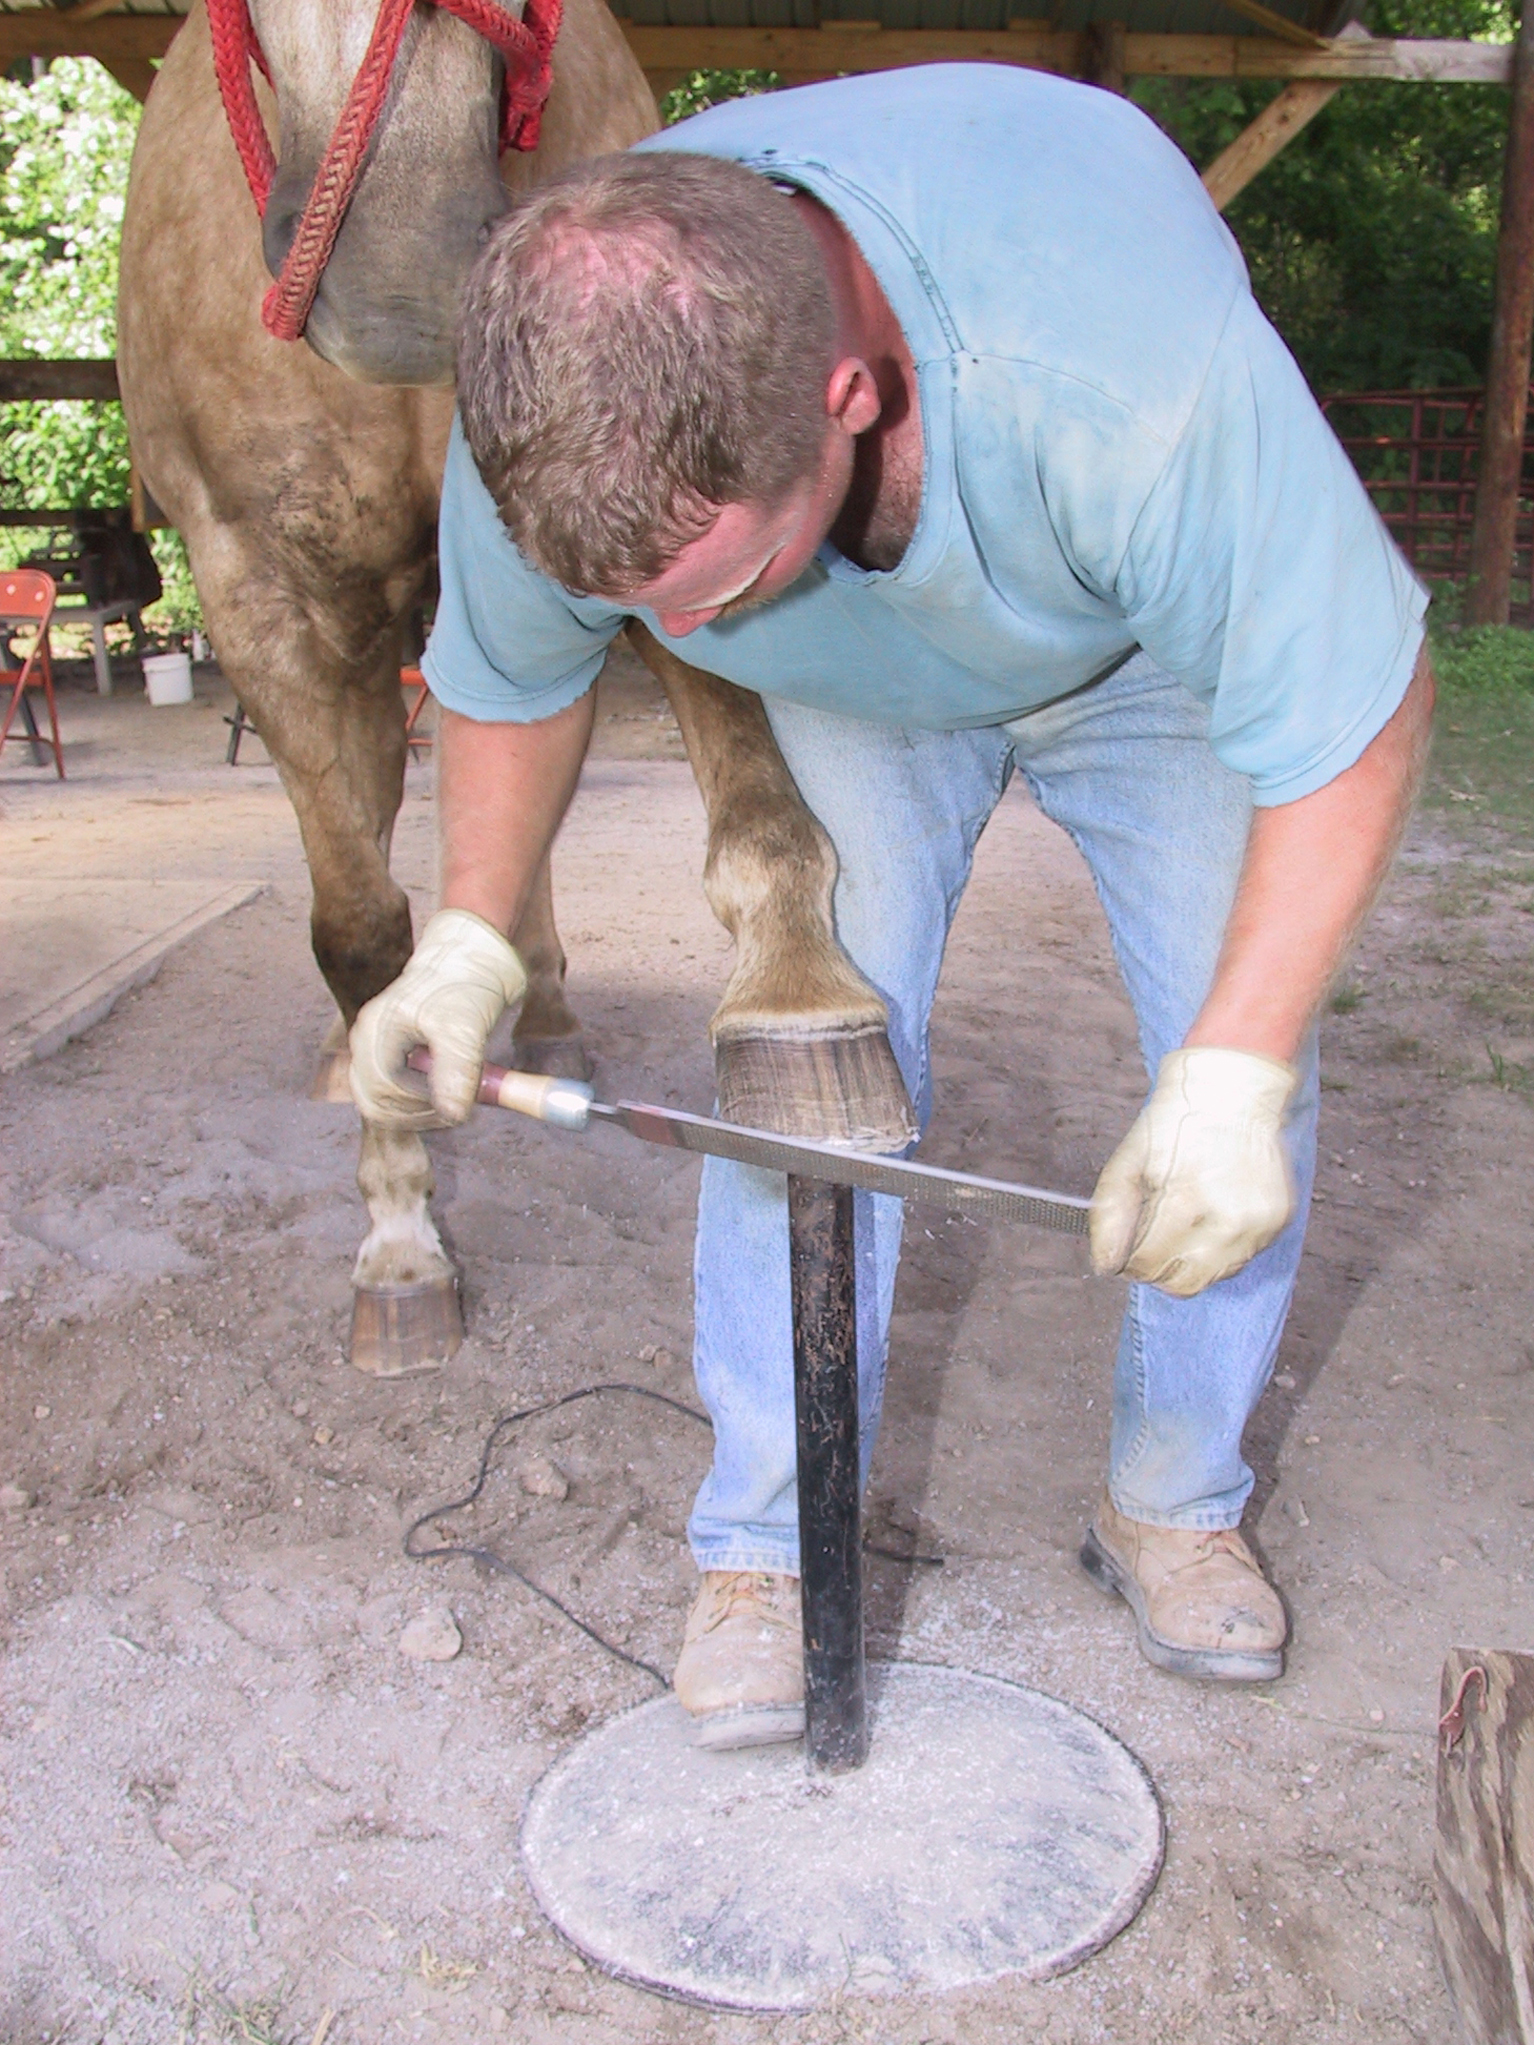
993	1831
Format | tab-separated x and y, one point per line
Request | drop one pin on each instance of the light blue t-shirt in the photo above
1119	451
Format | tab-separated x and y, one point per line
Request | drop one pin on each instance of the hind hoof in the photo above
555	1057
400	1330
840	1087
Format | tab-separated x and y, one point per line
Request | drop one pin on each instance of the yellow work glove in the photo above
1201	1183
460	978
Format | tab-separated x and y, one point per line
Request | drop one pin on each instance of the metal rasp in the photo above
569	1104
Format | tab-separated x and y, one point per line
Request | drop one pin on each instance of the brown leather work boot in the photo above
741	1671
1200	1600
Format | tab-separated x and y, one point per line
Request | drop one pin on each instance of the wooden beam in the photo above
823	52
110	39
1444	63
133	74
1488	598
33	377
1278	25
1256	146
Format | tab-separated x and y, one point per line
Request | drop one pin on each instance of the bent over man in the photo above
935	407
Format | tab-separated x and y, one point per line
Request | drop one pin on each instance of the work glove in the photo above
1201	1183
460	978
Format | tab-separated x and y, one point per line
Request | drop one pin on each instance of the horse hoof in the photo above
840	1087
555	1057
399	1330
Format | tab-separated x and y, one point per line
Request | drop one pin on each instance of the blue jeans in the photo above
1125	766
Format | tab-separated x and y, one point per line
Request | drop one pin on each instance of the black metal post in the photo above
821	1262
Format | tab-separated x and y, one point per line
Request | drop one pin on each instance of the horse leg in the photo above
326	701
801	1042
547	1037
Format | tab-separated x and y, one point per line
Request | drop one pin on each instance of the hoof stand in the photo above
398	1330
843	1088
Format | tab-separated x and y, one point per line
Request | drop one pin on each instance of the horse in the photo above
304	476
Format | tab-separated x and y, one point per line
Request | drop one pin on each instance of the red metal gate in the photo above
1417	453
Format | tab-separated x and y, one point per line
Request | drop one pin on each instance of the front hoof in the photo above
840	1087
555	1057
400	1330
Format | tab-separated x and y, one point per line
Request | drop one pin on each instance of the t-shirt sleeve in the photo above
1258	572
508	645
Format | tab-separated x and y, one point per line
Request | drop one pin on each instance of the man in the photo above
935	406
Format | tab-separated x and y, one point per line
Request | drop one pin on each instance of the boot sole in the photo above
748	1725
1205	1664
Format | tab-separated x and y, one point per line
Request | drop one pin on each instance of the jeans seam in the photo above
1138	1446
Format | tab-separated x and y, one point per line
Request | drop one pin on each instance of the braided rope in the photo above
526	49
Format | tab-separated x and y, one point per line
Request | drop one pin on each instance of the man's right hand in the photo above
461	977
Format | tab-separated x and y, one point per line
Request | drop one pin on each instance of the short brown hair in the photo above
643	339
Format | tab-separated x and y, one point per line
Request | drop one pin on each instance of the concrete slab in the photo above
70	948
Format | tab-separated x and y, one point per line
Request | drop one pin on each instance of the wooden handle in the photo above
561	1101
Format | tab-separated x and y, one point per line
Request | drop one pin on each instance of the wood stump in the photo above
1483	1906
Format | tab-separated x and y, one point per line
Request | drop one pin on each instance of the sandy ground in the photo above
233	1809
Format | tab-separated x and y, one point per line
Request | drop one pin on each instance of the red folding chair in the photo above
417	689
27	598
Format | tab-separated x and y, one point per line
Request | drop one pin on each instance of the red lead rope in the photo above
525	46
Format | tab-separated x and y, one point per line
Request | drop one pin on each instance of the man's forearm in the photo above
1312	869
502	791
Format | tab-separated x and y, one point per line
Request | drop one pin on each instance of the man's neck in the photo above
878	516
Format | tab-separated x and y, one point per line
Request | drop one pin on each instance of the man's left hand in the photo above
1201	1183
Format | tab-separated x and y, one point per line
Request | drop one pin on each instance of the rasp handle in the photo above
564	1102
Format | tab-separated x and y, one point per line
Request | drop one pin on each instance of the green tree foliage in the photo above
700	89
1372	238
65	142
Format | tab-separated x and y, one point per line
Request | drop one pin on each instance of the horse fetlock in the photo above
794	980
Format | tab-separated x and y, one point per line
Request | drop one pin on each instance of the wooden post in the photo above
1103	55
1507	371
1483	1865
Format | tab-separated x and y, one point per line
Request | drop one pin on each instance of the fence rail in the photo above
1417	453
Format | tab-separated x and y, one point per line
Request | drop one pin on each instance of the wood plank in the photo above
1191	56
1483	1861
1277	24
823	52
125	38
29	377
133	74
1257	145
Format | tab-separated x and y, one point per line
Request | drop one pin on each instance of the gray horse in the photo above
305	480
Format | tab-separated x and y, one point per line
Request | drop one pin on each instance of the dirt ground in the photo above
231	1808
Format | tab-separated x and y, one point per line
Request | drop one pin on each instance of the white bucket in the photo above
168	678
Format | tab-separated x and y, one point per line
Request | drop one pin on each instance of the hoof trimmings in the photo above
399	1330
840	1087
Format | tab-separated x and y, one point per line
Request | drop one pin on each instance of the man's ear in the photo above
852	397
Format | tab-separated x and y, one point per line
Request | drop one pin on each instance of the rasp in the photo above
569	1104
